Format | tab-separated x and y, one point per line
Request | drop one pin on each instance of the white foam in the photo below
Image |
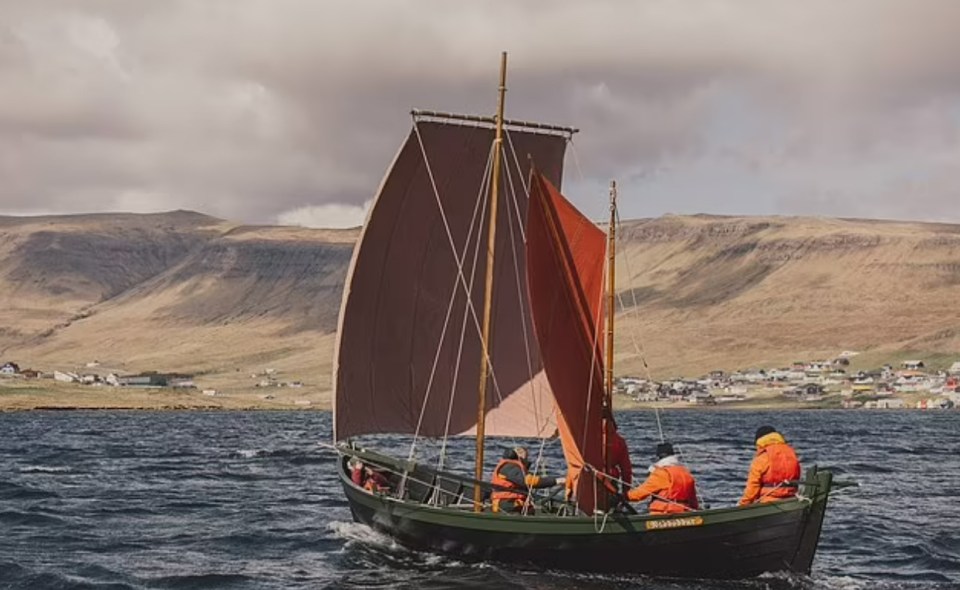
354	532
248	453
845	583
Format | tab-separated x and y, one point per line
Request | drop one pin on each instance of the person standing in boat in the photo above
670	486
774	470
513	481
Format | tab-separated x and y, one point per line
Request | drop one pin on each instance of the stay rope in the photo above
460	279
638	345
481	203
467	287
597	332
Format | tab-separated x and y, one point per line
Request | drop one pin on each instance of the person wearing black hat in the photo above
774	470
670	486
513	481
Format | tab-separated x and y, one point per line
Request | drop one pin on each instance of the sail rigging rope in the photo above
460	279
540	460
470	311
594	363
521	303
596	336
634	310
596	320
539	463
481	201
468	289
481	204
510	190
639	350
526	189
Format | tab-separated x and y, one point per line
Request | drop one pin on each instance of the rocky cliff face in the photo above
234	280
183	291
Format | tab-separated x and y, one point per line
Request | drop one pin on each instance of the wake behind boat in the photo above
475	306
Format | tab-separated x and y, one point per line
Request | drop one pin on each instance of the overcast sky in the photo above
290	111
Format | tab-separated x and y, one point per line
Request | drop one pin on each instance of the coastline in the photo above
20	396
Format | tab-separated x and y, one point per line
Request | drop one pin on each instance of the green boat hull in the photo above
726	543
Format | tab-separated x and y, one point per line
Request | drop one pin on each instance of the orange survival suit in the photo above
775	463
513	483
671	487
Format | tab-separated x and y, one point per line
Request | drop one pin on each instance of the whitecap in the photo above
844	583
354	532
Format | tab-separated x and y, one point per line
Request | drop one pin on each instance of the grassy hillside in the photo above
707	292
173	292
185	292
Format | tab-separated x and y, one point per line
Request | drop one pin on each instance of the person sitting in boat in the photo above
514	481
367	477
620	469
774	470
670	486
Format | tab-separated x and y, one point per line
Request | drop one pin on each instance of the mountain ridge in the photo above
183	291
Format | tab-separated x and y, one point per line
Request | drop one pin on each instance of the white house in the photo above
891	404
66	377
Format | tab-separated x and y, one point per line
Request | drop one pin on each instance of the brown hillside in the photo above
732	292
182	291
52	269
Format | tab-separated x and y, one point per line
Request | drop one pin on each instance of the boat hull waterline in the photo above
725	543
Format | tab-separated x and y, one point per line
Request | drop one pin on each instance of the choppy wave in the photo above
45	469
251	500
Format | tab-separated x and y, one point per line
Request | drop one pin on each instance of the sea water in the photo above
252	500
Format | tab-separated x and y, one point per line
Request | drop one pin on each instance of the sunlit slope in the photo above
182	291
237	300
52	269
706	292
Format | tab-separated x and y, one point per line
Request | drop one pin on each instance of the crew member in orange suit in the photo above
774	471
670	486
513	482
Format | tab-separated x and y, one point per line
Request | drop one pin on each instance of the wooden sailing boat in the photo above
414	322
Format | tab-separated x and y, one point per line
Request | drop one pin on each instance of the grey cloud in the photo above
250	109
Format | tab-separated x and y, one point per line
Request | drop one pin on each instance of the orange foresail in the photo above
565	258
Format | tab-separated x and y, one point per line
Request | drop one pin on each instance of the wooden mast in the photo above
611	307
611	286
488	288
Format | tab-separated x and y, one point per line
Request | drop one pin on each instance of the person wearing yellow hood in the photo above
774	471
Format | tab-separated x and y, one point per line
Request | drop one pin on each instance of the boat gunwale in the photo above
617	522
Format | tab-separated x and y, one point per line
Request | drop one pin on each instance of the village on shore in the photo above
261	388
810	384
818	384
